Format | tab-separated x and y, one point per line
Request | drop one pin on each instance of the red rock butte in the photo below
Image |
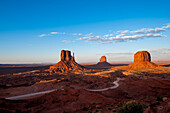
103	62
103	59
142	59
66	64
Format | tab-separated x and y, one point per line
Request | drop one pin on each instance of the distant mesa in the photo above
67	63
142	59
103	59
103	62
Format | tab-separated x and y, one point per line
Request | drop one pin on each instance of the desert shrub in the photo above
159	98
132	107
85	109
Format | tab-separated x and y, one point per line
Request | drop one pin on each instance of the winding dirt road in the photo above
104	89
48	91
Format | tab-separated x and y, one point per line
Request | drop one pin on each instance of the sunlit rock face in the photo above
142	56
65	55
103	63
142	59
66	64
103	59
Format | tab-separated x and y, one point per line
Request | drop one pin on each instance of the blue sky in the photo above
35	31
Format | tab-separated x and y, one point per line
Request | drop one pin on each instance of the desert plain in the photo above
69	87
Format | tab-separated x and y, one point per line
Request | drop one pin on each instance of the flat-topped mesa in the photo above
103	62
103	59
142	56
66	56
66	64
142	59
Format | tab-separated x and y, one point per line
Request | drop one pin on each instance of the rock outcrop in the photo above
103	59
66	64
142	56
142	59
103	62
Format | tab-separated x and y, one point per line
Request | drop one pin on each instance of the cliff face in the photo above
66	64
103	59
142	56
142	59
103	63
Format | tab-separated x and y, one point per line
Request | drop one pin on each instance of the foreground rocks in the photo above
73	100
142	59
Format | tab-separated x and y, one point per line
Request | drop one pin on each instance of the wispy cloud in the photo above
67	41
86	37
77	33
42	35
88	34
160	53
127	35
120	38
54	33
108	35
145	30
167	26
121	53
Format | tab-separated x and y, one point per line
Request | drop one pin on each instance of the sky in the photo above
35	31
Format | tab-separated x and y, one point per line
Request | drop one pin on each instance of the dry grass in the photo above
144	70
47	81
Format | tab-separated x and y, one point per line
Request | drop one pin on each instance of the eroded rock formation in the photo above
103	62
103	59
142	59
142	56
66	64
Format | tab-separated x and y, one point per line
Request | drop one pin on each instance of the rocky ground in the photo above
151	89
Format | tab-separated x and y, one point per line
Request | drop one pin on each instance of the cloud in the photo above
86	37
121	53
77	33
122	31
168	26
54	33
160	53
42	35
142	36
145	30
108	35
67	41
88	34
120	38
96	38
125	31
74	33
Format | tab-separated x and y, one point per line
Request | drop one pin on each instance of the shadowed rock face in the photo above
103	59
67	63
142	59
65	55
142	56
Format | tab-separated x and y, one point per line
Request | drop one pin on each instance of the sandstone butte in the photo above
103	62
142	59
67	63
103	59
